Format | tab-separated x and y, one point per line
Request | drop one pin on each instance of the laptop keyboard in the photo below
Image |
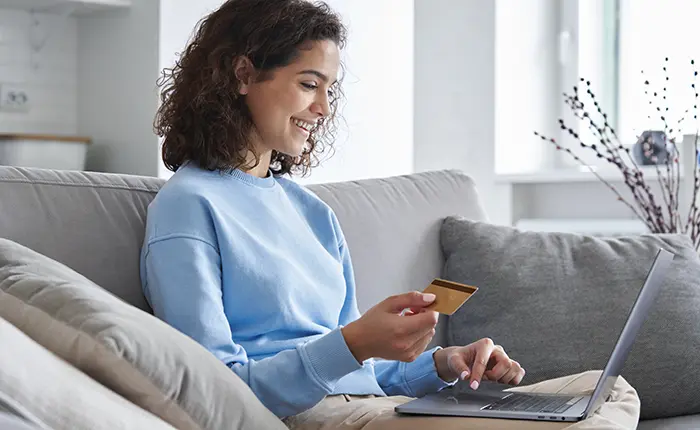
529	403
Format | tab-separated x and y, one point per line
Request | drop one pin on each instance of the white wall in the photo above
117	97
49	77
455	95
377	137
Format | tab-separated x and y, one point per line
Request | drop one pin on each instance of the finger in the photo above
420	344
413	299
515	375
492	361
419	324
484	348
502	366
421	335
424	341
457	364
413	311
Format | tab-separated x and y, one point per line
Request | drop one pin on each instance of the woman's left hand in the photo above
479	360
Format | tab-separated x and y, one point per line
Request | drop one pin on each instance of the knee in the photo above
622	386
590	378
622	391
622	382
594	374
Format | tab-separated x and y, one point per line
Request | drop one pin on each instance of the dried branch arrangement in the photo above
661	214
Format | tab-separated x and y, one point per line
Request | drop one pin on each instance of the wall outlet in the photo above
14	98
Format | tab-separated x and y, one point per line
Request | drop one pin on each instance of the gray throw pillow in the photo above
557	303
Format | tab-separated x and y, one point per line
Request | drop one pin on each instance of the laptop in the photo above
550	407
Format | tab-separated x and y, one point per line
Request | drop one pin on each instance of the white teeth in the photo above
303	124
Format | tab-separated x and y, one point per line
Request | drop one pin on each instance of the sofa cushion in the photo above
557	303
126	349
49	393
392	226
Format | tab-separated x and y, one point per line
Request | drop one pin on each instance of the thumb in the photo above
414	299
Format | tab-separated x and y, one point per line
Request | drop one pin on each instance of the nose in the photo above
321	105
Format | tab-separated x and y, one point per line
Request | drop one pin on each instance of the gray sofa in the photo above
94	223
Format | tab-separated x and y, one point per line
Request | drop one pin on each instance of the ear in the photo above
245	72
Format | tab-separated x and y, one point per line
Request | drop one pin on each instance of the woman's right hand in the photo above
382	332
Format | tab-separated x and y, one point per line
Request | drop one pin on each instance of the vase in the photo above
651	148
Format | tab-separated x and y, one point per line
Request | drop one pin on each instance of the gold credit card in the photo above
449	296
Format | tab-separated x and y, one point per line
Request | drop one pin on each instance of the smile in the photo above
306	126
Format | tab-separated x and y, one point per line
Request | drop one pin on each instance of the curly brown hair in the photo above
203	119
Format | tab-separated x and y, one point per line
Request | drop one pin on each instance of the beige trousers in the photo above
377	413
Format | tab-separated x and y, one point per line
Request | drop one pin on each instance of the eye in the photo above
309	86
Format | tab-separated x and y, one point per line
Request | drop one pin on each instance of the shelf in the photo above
596	227
553	176
82	7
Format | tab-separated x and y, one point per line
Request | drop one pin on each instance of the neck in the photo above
263	166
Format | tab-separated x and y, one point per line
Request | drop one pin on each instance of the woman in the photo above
255	267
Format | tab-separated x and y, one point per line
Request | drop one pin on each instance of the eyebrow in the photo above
320	75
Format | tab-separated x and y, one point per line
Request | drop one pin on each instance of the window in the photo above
588	49
649	32
618	45
543	50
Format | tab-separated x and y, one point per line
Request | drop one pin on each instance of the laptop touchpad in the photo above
472	399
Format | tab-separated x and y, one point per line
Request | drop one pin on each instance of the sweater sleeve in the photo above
181	278
413	379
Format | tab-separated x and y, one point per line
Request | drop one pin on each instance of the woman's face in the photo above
287	104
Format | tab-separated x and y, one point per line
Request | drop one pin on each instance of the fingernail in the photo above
464	375
474	385
428	297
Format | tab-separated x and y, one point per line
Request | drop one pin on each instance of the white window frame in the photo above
580	21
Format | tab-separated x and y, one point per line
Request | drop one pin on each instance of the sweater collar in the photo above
266	182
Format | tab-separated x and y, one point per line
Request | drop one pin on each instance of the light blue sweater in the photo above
257	271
